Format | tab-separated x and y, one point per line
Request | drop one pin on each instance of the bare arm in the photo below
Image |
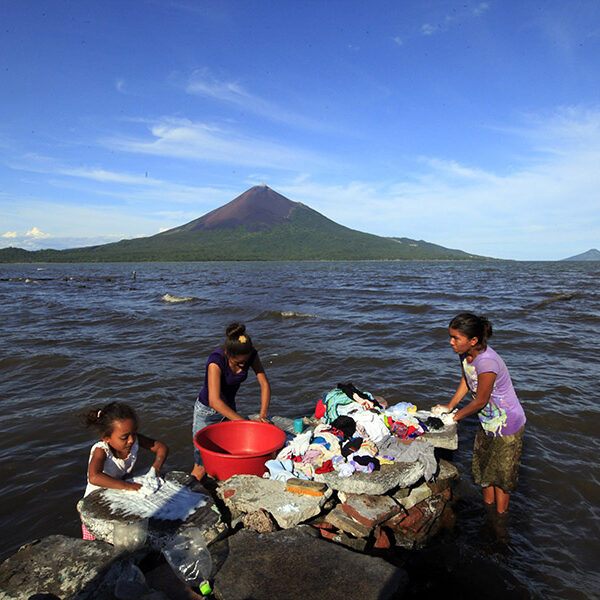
161	450
265	388
461	390
97	477
485	385
214	394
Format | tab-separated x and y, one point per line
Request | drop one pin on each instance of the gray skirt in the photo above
496	459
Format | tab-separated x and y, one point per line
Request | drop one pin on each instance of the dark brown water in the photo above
77	336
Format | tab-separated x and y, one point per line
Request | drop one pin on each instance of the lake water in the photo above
76	336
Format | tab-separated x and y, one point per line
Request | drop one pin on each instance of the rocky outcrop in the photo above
265	541
295	565
63	567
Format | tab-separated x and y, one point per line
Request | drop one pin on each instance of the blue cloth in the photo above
230	381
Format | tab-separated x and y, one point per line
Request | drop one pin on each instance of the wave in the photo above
178	299
288	314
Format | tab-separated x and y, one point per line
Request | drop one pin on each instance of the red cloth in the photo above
320	409
326	467
85	534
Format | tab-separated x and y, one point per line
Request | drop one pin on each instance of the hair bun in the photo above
234	330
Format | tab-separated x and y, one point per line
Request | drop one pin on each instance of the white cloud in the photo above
110	176
202	83
537	210
34	232
181	138
447	21
118	185
10	234
480	9
399	41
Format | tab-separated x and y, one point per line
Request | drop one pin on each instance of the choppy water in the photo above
75	336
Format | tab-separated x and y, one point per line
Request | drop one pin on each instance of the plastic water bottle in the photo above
189	557
129	535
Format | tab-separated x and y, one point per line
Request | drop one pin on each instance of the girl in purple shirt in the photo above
498	443
226	368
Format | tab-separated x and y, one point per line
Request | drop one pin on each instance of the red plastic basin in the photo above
238	447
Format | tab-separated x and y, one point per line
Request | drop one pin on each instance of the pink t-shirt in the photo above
503	414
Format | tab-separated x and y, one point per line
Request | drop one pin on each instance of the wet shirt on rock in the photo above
503	414
230	381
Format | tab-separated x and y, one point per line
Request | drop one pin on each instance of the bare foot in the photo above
198	472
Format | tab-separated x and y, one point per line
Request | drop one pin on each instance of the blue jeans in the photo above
203	416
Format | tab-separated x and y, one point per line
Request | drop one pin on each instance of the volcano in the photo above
259	224
258	208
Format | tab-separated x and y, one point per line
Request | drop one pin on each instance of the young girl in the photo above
226	368
498	443
112	458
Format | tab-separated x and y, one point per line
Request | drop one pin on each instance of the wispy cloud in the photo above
110	176
541	203
480	8
203	83
118	185
445	22
181	138
10	234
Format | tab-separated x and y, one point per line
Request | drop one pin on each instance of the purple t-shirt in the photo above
503	414
230	381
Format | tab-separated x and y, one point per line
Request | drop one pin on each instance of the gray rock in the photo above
342	520
447	470
131	584
371	510
244	494
376	483
100	518
67	567
417	494
446	438
294	564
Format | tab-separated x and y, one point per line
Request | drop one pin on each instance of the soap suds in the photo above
156	498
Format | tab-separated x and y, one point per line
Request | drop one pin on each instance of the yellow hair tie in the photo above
242	339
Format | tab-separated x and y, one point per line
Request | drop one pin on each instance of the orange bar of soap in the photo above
305	486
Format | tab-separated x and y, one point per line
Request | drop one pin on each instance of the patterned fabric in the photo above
496	459
503	414
337	403
85	534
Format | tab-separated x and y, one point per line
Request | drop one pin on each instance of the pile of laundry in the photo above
357	433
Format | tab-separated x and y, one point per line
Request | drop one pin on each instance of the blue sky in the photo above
474	125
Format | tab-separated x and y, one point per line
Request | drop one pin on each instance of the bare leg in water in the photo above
495	495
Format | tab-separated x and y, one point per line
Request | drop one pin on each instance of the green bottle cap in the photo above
205	588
